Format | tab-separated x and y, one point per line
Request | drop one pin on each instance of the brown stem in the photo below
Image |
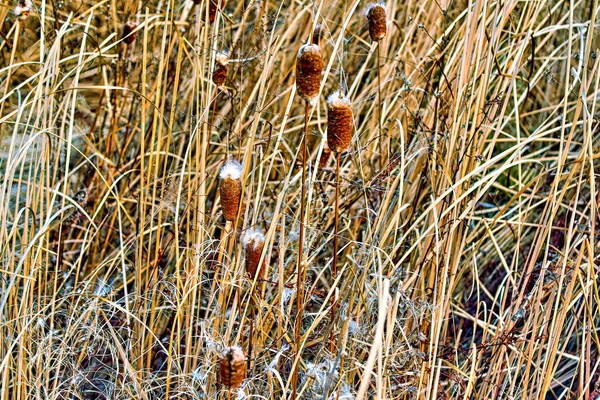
381	146
335	242
300	268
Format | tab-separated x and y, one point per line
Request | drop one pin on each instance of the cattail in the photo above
128	31
231	188
220	73
232	367
340	120
213	6
377	21
254	243
324	156
23	9
308	72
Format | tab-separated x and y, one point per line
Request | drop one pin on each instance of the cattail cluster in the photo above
232	367
377	21
309	66
230	178
23	9
340	122
254	243
220	73
128	31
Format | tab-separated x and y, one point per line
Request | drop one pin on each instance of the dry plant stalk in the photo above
128	32
340	121
254	243
232	367
231	188
213	7
220	73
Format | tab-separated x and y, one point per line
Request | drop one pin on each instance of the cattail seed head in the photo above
254	243
213	7
128	28
232	367
309	66
220	73
23	9
230	178
340	122
377	21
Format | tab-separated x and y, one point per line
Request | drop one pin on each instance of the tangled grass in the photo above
467	264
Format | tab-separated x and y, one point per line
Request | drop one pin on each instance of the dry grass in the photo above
467	265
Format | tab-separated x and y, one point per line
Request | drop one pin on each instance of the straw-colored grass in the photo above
467	264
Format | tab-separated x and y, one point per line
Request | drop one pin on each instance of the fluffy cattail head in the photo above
377	21
309	66
340	122
254	243
23	9
220	73
230	178
232	367
128	28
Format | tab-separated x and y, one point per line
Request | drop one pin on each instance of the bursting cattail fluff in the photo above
128	34
254	243
340	122
232	367
309	66
230	178
23	9
377	21
220	73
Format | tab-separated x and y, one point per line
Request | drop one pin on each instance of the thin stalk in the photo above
335	241
300	268
381	146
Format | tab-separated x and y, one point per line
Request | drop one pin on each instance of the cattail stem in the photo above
382	150
300	269
335	242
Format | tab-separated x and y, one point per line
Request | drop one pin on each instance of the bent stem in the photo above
300	273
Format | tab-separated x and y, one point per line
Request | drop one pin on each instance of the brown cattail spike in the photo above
213	7
340	122
377	21
220	72
23	9
232	367
309	66
231	188
128	32
254	243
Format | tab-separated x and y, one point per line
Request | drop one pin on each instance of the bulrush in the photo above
377	21
231	188
309	66
23	9
212	9
232	367
128	34
340	120
254	243
220	73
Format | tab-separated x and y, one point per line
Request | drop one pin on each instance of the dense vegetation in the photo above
137	257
